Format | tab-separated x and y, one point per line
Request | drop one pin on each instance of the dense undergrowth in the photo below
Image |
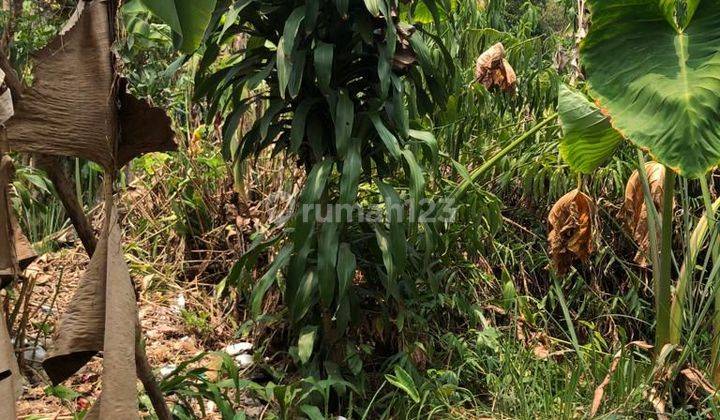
484	328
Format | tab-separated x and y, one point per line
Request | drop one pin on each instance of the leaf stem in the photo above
715	252
663	295
463	187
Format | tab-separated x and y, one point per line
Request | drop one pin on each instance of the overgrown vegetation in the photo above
564	263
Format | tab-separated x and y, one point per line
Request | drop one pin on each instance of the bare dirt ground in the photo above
56	276
172	279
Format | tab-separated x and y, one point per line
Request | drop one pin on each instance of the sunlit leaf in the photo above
589	139
306	342
187	18
660	85
404	381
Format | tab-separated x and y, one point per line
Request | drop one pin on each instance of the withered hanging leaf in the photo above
572	230
70	109
7	109
10	386
10	237
8	263
16	253
404	56
494	71
634	212
80	335
119	394
696	381
75	108
144	129
90	326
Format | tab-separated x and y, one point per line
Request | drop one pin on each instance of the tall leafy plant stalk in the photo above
708	223
665	260
337	80
662	286
479	172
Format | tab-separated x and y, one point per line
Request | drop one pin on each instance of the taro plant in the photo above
653	70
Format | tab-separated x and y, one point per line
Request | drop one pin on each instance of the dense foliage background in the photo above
373	102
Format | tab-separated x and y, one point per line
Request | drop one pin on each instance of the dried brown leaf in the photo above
658	403
600	390
119	393
90	325
405	56
8	263
697	380
70	109
634	212
494	71
80	333
572	230
144	129
7	109
541	352
10	385
16	253
644	345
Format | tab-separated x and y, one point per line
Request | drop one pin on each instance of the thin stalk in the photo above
463	187
707	199
652	212
695	244
663	294
70	198
653	225
715	350
568	322
78	182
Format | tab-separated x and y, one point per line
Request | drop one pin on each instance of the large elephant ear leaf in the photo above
659	82
188	19
589	139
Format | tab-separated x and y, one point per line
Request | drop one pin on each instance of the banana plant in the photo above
188	19
653	73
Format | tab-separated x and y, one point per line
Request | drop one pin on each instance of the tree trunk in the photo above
145	374
67	194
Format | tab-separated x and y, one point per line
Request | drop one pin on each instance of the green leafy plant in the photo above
188	20
336	81
670	111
